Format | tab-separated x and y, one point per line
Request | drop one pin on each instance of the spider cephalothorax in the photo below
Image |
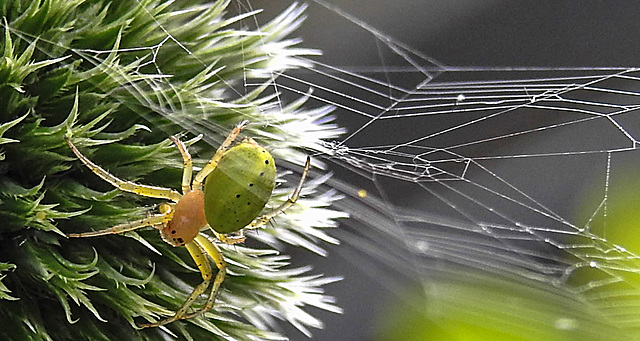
238	182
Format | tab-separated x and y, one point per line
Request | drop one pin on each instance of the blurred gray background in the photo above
455	33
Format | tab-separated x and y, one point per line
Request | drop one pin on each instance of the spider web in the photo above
473	177
495	181
515	178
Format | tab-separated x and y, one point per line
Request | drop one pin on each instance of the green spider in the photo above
239	182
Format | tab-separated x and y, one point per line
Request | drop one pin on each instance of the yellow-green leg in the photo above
154	220
127	186
196	248
262	220
188	164
230	238
214	252
213	163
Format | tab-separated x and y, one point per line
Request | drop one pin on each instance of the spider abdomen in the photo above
239	187
188	219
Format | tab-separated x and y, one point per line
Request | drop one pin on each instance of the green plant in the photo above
121	77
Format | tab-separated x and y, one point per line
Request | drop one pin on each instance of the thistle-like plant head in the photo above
119	78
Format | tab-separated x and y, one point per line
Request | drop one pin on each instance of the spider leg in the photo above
230	238
213	163
153	220
188	164
127	186
197	248
214	252
262	220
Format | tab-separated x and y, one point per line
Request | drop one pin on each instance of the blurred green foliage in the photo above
479	308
